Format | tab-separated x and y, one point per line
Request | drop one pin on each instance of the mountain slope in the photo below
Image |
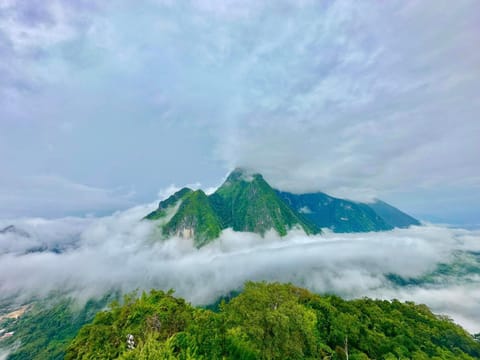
164	205
392	215
245	202
336	214
195	218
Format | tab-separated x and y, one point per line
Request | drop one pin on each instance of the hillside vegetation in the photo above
271	321
243	203
47	328
336	214
246	202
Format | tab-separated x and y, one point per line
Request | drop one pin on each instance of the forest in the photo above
270	321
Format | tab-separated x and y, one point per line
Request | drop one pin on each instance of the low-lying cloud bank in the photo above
91	256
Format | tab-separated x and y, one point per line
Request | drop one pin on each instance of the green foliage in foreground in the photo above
271	321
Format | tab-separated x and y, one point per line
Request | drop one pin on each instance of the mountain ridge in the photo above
251	204
339	215
246	202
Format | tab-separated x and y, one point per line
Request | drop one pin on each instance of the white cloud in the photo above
52	195
353	98
4	354
367	112
122	251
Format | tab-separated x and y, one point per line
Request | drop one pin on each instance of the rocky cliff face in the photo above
195	218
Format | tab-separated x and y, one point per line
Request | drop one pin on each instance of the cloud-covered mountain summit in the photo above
246	202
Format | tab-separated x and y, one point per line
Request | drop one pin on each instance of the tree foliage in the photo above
271	321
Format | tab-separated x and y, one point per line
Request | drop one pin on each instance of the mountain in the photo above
392	215
338	215
246	202
12	229
188	214
165	205
195	219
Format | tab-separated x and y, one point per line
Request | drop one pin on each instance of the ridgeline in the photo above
246	202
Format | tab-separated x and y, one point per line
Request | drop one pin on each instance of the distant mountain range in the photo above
246	202
12	229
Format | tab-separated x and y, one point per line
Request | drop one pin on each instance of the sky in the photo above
105	103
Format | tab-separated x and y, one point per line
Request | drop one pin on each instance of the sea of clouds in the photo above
90	256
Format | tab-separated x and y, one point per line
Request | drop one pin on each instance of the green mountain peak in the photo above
195	218
246	202
241	174
170	202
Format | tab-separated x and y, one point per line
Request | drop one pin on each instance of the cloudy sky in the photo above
104	103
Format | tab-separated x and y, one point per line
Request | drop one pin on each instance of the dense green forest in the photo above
270	321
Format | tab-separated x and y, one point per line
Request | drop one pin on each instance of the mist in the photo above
89	256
